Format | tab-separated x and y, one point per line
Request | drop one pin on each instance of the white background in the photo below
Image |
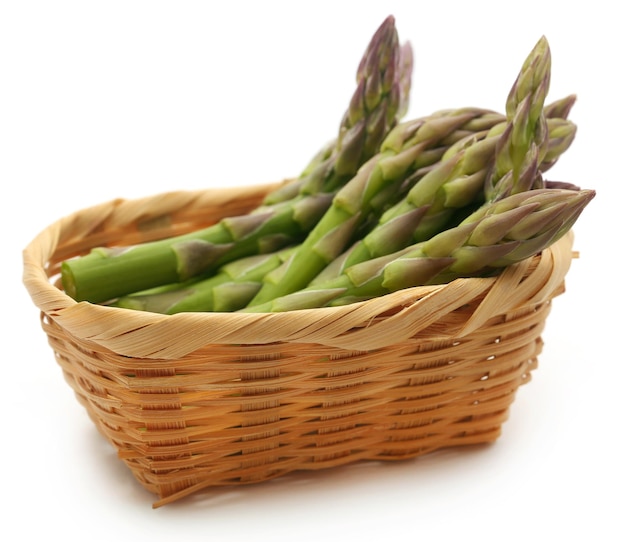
100	100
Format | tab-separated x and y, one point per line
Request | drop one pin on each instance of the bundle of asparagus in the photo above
388	204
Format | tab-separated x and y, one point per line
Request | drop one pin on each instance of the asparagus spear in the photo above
230	289
525	141
381	98
500	233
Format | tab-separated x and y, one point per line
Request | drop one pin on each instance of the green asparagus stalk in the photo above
500	233
228	290
385	79
525	141
400	157
381	98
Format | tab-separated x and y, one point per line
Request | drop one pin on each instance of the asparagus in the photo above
399	157
525	141
383	86
500	233
381	98
229	289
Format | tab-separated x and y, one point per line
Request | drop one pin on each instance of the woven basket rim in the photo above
357	326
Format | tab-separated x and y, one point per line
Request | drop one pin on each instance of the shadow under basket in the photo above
196	400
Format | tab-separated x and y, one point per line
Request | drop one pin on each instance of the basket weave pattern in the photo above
195	400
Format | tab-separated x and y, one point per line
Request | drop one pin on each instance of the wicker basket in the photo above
196	400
